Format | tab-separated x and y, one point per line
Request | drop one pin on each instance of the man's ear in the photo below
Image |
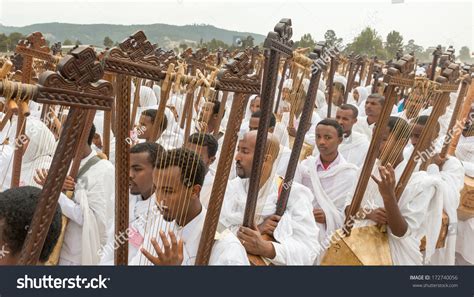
211	160
196	191
268	157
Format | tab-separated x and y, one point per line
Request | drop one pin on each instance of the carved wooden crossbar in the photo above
76	84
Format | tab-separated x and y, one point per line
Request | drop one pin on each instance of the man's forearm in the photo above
395	220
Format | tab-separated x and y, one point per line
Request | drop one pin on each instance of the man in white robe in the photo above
295	233
354	146
373	108
178	224
409	218
450	171
90	211
465	228
38	144
141	201
206	146
330	178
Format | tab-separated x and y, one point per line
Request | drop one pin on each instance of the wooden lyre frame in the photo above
400	75
319	59
235	76
34	46
278	43
76	84
335	60
356	64
135	56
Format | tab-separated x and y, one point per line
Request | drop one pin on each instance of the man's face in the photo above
146	125
141	175
255	104
416	133
327	139
172	196
373	108
384	143
206	112
338	94
355	94
244	156
253	123
97	140
345	118
203	153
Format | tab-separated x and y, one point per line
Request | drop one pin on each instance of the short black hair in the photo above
333	123
152	148
207	140
422	120
258	114
17	207
151	113
91	135
192	167
399	127
377	96
354	109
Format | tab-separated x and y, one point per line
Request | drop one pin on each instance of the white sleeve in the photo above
71	209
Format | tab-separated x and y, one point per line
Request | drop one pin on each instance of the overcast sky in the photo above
427	22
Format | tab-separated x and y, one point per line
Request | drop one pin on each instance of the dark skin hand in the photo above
254	243
378	215
269	225
386	185
319	215
436	159
291	131
172	253
42	174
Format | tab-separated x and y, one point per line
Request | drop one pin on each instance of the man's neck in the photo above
371	120
348	133
193	211
147	194
398	161
328	159
263	179
87	151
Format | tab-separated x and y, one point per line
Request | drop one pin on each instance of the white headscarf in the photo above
320	99
340	79
363	94
147	96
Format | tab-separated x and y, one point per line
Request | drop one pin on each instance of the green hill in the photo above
167	36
